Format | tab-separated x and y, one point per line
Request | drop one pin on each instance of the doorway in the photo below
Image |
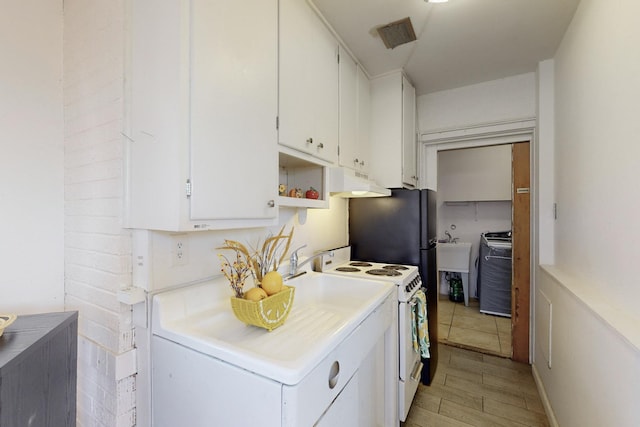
467	326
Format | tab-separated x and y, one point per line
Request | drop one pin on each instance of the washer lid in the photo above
501	244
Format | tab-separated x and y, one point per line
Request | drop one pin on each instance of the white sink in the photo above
326	309
347	295
454	256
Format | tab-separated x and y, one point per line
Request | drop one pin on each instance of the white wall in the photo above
593	286
544	160
31	163
500	111
511	98
597	152
97	249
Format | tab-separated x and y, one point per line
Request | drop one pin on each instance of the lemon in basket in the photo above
272	283
255	294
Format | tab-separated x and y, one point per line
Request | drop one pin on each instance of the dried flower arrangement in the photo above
265	258
236	272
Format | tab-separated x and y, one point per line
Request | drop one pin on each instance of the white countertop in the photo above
200	317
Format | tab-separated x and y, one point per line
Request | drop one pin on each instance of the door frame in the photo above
507	132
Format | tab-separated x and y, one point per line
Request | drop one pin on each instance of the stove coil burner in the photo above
395	267
347	269
383	272
360	264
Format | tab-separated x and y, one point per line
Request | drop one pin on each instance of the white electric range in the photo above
408	281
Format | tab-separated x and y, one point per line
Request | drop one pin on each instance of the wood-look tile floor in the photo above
466	327
475	389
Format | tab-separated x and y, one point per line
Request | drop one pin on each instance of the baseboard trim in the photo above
543	396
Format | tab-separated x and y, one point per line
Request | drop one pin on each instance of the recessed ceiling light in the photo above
436	1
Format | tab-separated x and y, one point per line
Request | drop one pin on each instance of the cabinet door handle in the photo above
271	203
334	374
362	163
356	161
321	145
310	141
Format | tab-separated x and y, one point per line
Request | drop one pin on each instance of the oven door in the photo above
410	364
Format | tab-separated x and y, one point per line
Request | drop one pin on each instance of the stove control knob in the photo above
407	288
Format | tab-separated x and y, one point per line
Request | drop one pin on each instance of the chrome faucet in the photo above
450	238
293	261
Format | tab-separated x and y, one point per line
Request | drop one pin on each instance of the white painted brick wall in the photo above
97	249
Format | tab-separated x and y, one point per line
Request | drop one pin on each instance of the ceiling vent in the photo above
397	33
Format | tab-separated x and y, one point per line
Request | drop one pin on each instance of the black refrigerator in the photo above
401	229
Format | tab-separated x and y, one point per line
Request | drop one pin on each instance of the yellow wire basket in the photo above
268	313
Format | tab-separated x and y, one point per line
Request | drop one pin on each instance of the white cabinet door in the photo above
195	390
157	145
409	175
364	121
393	148
348	112
233	109
308	82
355	115
343	411
203	104
475	174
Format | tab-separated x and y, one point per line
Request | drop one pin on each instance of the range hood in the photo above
345	182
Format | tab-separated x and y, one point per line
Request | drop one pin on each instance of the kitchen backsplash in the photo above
158	265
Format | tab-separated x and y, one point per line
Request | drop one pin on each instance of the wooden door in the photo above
520	290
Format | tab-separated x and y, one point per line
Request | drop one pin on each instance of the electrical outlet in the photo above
179	249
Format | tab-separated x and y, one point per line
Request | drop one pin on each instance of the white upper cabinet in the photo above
202	149
364	121
233	108
409	145
355	115
475	174
393	131
308	83
348	111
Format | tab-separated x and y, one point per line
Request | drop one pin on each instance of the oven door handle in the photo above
413	301
417	371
